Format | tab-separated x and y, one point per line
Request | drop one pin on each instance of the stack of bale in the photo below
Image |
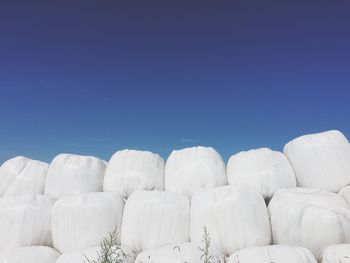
265	206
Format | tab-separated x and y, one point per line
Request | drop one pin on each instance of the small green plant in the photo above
110	250
206	256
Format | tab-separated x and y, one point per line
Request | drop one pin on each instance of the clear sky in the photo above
94	77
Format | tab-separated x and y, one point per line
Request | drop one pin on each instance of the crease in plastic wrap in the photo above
190	170
310	218
25	221
320	161
74	174
345	193
155	218
235	218
21	176
81	221
131	170
265	170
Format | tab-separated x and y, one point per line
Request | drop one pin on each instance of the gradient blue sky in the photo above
93	77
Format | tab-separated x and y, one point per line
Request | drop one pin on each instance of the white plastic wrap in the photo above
25	221
131	170
320	161
91	253
192	169
30	180
35	254
345	193
155	218
74	174
276	254
235	218
310	218
337	254
178	253
9	171
265	170
81	221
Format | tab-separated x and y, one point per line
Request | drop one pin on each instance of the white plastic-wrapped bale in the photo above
25	221
74	174
131	170
276	253
178	253
34	254
263	169
91	253
311	218
337	254
192	169
235	218
320	161
155	218
81	221
345	193
9	171
30	180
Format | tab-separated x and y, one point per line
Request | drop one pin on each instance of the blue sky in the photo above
94	77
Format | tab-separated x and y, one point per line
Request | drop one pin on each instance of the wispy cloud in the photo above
187	140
